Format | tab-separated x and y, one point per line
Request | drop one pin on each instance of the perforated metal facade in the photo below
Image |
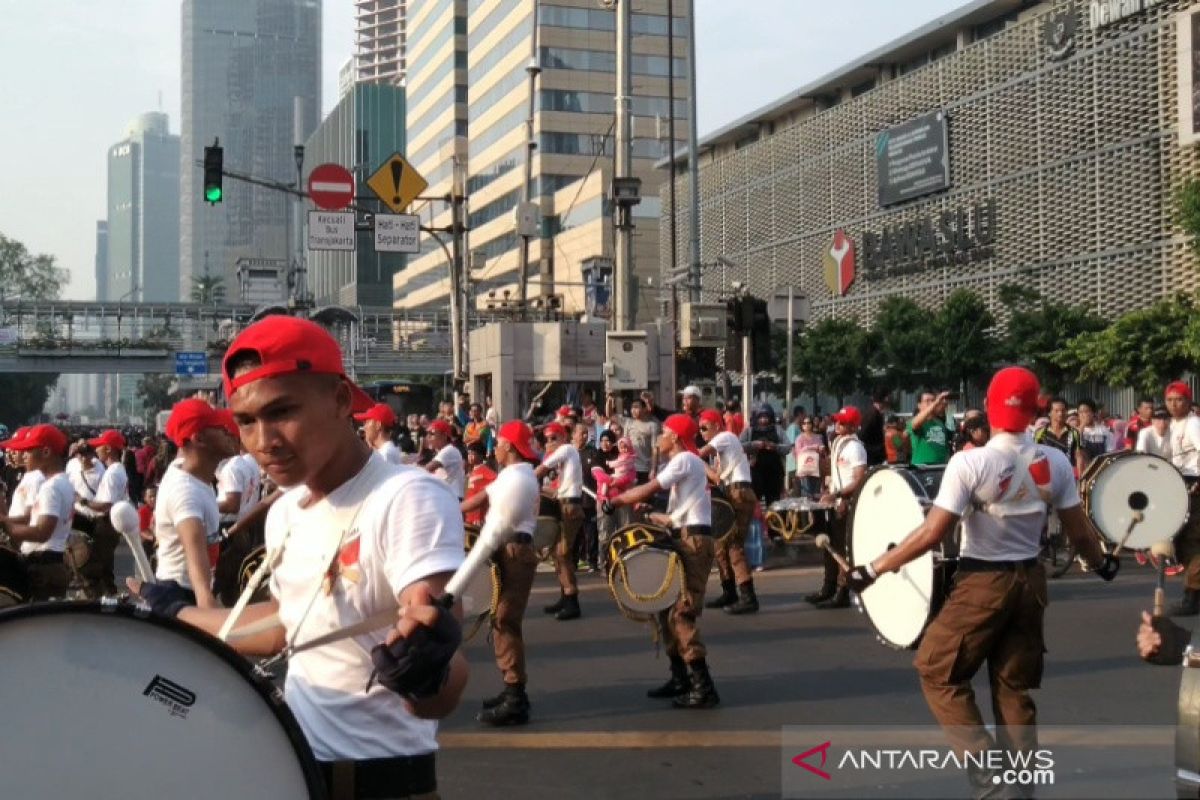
1078	153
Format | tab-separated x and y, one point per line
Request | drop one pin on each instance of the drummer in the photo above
113	489
689	516
358	537
733	474
848	470
996	607
511	502
564	458
43	534
1184	435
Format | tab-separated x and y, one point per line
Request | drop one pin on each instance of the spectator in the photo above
1139	420
479	476
1094	437
735	423
929	433
642	429
871	433
1155	438
975	432
478	431
1061	436
895	445
807	451
766	445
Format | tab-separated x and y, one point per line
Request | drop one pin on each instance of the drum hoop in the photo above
272	697
1093	472
633	614
493	605
722	537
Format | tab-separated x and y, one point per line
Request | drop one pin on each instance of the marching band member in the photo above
239	482
43	535
358	537
1184	435
378	423
447	462
995	611
512	506
848	470
564	458
733	473
113	489
689	516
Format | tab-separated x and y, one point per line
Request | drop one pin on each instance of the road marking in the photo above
607	740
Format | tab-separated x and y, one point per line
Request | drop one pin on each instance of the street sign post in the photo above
397	233
331	187
396	183
191	364
331	230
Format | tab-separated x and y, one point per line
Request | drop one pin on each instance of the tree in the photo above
1038	330
964	347
155	392
208	289
905	342
833	356
28	277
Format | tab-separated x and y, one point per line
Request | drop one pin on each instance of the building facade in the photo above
360	133
1009	142
380	41
101	260
251	78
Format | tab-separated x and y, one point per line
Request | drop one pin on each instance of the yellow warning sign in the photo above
396	183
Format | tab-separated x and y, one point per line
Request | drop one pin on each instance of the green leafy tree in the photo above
208	289
1187	210
833	356
905	342
26	277
155	392
1038	330
965	348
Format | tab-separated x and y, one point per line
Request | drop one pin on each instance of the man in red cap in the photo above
447	462
29	480
43	535
563	458
512	505
848	469
995	610
732	472
378	423
353	538
689	516
1184	436
113	489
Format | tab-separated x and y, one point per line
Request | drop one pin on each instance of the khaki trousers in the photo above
731	554
564	549
518	566
680	632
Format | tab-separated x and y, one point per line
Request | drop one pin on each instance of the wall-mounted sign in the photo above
1106	12
1058	32
912	159
837	262
958	236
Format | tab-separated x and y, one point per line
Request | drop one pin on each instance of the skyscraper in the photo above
251	78
102	260
380	41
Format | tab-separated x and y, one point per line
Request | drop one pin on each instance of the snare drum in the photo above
14	579
481	595
1116	485
890	504
163	709
724	519
645	574
246	570
797	516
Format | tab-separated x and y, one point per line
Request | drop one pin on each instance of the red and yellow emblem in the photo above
838	263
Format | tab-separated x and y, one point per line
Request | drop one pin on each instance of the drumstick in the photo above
1163	550
1133	523
822	541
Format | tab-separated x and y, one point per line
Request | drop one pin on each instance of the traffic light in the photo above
214	158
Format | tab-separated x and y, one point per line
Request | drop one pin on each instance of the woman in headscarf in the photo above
767	445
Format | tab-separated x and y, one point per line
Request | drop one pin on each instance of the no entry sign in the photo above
331	187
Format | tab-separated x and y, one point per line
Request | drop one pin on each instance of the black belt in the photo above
571	501
44	557
979	565
399	776
520	537
740	485
692	530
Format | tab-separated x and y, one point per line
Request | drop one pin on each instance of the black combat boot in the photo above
556	606
821	595
841	599
1188	605
570	608
513	708
701	693
727	597
676	685
747	602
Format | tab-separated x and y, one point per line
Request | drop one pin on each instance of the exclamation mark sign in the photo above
397	171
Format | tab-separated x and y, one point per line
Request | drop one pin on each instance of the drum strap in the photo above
1024	497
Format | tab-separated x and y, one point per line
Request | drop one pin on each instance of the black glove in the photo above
1108	567
417	666
166	598
607	507
1174	641
859	579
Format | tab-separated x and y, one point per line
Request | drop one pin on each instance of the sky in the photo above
75	72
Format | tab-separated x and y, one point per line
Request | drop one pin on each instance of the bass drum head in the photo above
480	591
161	709
1129	482
898	604
724	519
646	580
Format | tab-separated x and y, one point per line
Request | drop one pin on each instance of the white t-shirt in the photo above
400	525
239	474
565	460
1185	444
513	500
731	458
644	435
84	482
451	470
114	485
1098	438
690	503
26	493
390	452
848	454
990	474
55	497
1149	441
181	496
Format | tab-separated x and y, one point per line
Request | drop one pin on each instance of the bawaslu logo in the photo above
838	263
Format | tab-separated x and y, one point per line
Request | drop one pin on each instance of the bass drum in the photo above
200	722
893	501
1118	485
645	575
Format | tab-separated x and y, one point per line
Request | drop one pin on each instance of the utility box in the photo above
626	366
703	325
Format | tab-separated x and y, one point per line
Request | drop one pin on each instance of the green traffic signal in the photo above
212	194
214	158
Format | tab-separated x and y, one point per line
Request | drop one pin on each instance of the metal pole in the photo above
533	69
747	377
455	278
622	168
693	168
790	334
671	160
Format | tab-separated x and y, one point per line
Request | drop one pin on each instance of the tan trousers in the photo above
518	565
731	554
681	635
564	550
994	617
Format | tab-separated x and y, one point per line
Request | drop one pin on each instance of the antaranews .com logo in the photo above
999	767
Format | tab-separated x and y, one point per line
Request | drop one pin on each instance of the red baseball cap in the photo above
226	420
286	345
381	413
849	415
50	436
189	417
15	439
1012	399
685	428
110	438
442	427
520	436
713	416
554	429
565	411
1178	387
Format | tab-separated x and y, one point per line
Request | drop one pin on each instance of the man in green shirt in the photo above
928	432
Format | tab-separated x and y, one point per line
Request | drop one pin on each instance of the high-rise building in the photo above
142	230
101	260
573	129
360	133
251	78
380	41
